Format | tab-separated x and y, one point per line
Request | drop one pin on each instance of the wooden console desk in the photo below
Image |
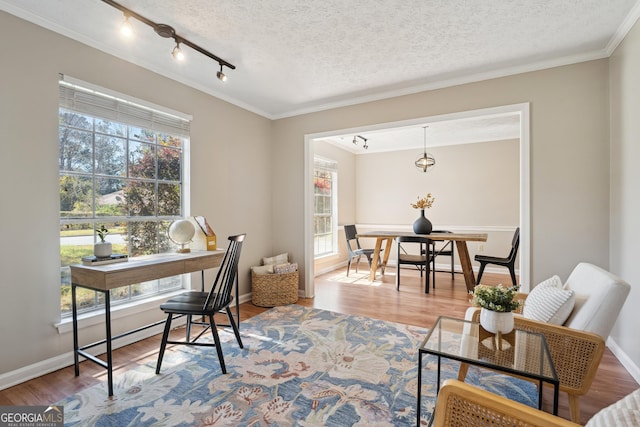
103	278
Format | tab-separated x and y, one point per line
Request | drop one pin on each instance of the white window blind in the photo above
86	98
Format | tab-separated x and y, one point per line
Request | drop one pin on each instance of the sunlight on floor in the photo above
361	278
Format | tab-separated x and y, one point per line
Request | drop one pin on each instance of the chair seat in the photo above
492	259
190	303
365	252
412	259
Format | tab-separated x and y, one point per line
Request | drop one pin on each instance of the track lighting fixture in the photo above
221	76
355	141
177	52
426	161
166	31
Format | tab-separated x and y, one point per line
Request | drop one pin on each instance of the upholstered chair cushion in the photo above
599	298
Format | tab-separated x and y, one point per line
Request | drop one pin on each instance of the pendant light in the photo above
426	161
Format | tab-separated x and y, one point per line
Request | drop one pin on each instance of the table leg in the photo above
74	315
540	387
465	263
387	251
556	392
107	314
376	259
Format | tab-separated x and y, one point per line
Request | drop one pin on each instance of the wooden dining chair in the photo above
207	304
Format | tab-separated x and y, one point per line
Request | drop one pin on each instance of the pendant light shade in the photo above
426	161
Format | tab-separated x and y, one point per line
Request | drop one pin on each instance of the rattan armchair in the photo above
461	404
576	356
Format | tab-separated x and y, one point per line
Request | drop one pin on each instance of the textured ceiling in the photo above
296	56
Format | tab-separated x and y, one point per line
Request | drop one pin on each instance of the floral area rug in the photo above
300	367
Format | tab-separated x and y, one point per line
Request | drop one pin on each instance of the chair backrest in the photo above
600	296
515	243
413	239
460	401
220	293
351	234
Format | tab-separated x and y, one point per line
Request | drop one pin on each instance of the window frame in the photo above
331	167
162	121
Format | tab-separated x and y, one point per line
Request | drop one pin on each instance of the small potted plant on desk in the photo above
102	249
497	304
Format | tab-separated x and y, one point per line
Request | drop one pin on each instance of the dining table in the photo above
460	239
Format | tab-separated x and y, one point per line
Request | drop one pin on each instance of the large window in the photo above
122	166
325	217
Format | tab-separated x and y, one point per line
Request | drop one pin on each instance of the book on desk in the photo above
94	260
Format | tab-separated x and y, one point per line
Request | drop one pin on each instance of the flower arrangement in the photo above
424	203
495	298
102	232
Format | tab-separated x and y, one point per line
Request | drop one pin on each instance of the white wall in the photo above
473	185
625	190
230	175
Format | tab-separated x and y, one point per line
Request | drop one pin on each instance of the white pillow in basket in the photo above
263	269
278	259
549	303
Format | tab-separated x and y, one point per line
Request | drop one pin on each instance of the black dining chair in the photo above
206	304
509	261
421	259
354	249
444	248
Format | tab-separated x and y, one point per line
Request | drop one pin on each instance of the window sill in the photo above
86	320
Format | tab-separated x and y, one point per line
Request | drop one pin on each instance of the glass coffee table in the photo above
520	353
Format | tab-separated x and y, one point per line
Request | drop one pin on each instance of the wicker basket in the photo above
270	290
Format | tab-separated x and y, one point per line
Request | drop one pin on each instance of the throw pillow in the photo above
285	268
278	259
263	269
549	303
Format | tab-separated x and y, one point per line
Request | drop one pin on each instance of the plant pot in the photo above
102	249
422	225
496	322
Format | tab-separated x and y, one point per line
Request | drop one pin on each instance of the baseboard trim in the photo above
624	359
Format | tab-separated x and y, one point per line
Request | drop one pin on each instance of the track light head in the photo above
221	76
126	29
177	52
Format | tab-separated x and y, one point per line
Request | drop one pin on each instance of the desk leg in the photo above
237	303
376	259
419	388
74	315
107	315
465	262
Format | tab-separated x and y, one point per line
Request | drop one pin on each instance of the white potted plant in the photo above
497	304
102	249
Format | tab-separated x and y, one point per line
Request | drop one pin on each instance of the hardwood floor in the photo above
352	295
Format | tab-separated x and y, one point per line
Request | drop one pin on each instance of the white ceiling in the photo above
482	128
297	56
